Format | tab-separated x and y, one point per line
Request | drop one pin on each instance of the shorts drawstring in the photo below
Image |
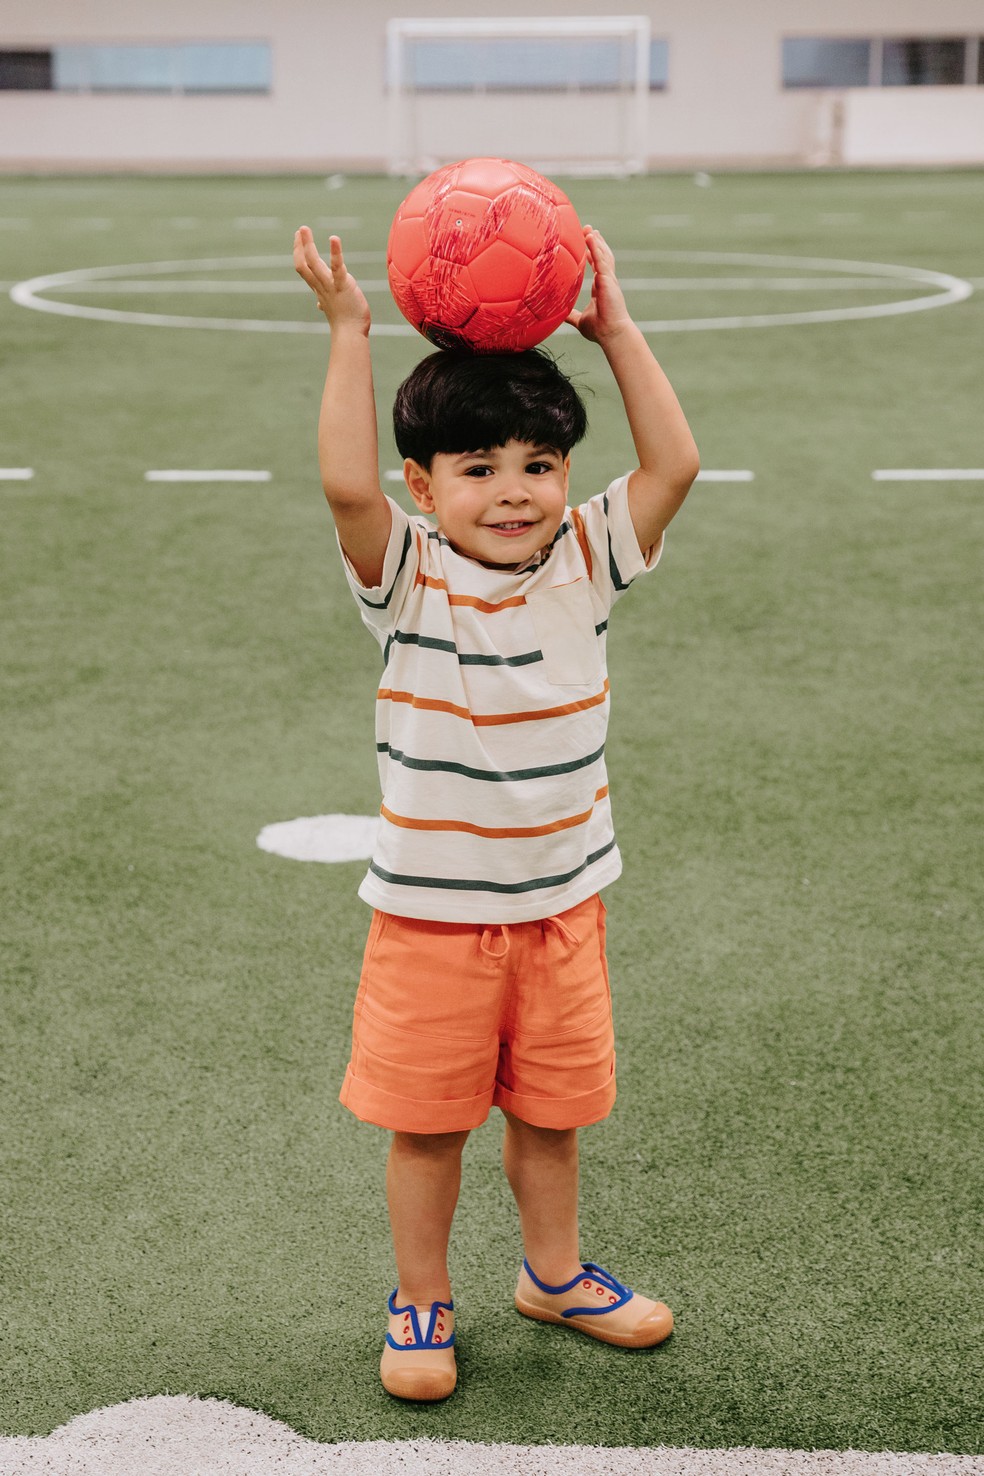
489	934
501	930
566	934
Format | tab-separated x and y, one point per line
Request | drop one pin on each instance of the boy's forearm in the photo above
348	452
664	444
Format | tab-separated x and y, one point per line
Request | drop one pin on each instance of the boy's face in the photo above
498	506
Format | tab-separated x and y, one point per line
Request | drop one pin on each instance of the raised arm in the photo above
347	447
668	459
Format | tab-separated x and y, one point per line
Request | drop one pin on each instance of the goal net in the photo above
565	93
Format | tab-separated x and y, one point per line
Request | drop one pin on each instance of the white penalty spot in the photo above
328	838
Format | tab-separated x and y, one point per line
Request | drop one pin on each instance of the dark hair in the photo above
456	401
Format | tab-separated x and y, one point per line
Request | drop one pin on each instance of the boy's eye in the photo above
478	471
539	467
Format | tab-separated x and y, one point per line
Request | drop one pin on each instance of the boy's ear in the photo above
418	480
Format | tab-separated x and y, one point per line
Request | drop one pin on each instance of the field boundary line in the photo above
170	1435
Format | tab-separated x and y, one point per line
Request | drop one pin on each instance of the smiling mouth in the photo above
516	527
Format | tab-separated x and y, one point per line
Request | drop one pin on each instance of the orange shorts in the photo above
454	1018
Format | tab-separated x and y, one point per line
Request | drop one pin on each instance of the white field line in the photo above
16	473
175	1435
929	474
177	475
725	476
702	476
945	289
273	288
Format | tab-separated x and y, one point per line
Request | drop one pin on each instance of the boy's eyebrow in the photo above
543	450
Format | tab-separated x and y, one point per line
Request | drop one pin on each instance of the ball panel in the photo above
506	327
458	225
489	177
445	292
571	233
500	273
552	298
526	221
407	246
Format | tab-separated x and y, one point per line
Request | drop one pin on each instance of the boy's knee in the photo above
429	1145
546	1135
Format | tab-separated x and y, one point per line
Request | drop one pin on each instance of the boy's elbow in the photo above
348	500
686	470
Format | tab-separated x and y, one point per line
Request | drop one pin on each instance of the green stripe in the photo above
456	884
492	776
613	569
432	643
384	604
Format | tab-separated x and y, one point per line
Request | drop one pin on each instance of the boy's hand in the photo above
339	295
606	313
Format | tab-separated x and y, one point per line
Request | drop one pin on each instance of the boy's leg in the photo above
423	1177
542	1168
554	1284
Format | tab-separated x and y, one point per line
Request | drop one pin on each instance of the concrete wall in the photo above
328	107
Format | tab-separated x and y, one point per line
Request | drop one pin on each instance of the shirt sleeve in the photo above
380	607
605	530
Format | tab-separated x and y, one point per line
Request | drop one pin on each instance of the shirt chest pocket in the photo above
564	619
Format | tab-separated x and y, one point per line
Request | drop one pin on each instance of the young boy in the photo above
484	981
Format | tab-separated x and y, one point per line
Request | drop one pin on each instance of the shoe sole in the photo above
587	1326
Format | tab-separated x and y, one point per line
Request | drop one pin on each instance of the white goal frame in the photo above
628	156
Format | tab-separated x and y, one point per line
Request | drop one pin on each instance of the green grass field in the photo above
795	1160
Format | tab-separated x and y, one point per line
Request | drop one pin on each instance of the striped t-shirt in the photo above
491	718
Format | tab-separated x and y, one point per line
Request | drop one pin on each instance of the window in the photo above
809	61
923	63
891	61
219	66
25	71
533	64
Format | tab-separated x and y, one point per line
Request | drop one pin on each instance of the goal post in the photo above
563	92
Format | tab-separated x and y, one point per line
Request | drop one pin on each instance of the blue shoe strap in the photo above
419	1340
596	1273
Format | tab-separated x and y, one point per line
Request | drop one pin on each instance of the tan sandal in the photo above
418	1365
598	1304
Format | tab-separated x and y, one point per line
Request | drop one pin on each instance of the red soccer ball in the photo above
486	255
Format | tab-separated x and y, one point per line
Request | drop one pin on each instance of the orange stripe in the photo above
490	719
490	832
582	537
472	600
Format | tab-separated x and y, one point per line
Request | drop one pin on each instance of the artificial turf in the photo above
795	1159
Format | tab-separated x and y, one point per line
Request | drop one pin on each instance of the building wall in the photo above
328	108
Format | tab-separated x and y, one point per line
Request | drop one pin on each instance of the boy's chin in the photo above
509	558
